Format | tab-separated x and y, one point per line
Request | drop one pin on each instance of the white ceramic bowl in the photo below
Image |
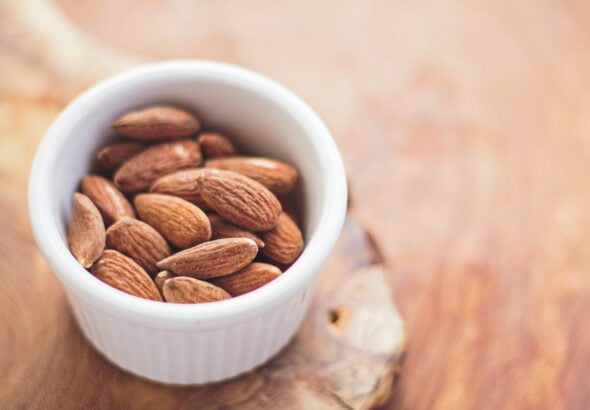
188	344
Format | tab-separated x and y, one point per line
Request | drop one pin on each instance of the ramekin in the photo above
201	343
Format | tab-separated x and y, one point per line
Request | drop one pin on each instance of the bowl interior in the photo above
246	114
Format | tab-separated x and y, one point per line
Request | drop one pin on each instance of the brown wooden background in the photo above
465	128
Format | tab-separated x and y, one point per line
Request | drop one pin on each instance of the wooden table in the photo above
465	127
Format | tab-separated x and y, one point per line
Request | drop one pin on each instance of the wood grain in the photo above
464	126
346	355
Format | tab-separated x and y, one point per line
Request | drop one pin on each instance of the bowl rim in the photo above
110	300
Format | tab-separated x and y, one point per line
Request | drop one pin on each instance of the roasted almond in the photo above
239	199
276	175
158	122
183	224
211	259
189	290
111	203
215	145
221	229
183	184
139	241
163	277
113	155
138	173
86	233
283	243
123	273
247	279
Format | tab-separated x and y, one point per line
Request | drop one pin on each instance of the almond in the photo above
189	290
111	203
157	123
138	173
86	234
277	176
139	241
239	199
284	243
247	279
179	221
113	155
163	277
183	184
215	145
121	272
211	259
221	229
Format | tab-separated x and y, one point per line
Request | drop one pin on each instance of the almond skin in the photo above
221	229
183	184
215	145
86	233
122	273
212	259
189	290
139	241
111	203
284	243
246	280
113	155
183	224
163	277
277	176
138	173
159	122
239	199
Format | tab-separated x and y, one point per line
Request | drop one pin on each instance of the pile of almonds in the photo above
184	218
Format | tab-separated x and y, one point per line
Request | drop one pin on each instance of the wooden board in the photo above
347	354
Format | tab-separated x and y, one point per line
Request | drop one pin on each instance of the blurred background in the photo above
465	129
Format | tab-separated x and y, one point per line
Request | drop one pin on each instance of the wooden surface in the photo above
348	353
465	127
